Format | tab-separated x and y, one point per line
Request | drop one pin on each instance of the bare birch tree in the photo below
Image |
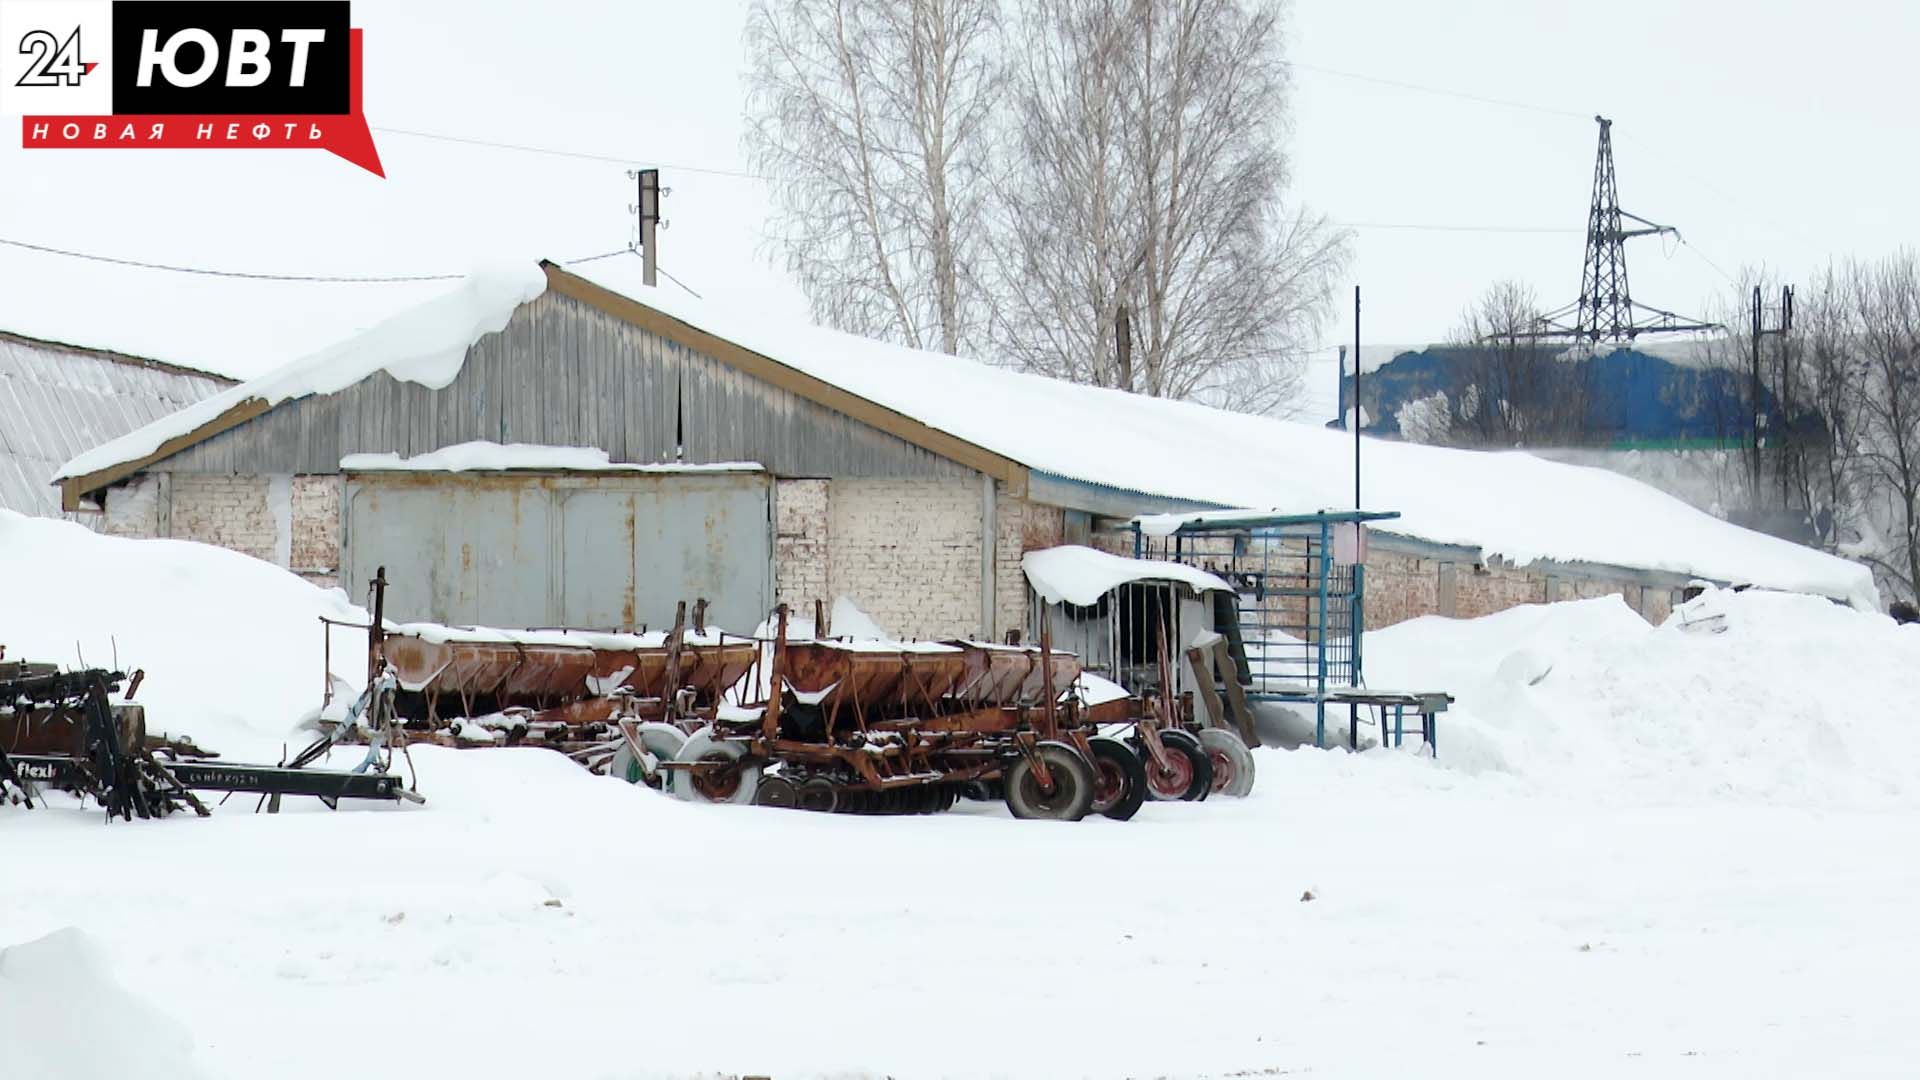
1145	192
1886	395
874	119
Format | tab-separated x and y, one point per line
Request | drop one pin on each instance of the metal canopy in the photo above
1210	522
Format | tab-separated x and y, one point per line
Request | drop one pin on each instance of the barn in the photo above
553	448
59	400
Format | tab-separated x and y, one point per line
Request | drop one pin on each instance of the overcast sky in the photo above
1766	131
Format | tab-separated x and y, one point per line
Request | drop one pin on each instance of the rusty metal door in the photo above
461	553
631	552
606	550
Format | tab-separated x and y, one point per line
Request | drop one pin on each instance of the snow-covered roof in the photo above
57	401
481	456
426	343
1082	575
1508	504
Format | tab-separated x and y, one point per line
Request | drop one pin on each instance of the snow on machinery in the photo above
853	726
909	727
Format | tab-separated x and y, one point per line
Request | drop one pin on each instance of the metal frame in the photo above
1302	615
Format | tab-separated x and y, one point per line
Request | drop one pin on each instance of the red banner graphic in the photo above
344	136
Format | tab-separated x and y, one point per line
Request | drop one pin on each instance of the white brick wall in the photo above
315	549
290	521
801	533
908	552
1022	526
230	511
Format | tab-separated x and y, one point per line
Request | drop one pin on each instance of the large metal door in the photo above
606	550
631	553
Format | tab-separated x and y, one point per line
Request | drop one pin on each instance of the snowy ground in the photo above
1593	880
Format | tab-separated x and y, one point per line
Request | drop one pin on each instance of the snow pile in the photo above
845	619
1082	575
425	344
482	456
63	1016
231	645
1750	696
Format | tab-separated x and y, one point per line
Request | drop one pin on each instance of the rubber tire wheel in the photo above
1072	786
818	795
1186	751
702	746
1223	746
1113	754
777	791
663	741
1183	743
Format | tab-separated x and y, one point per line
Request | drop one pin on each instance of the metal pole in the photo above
649	219
1754	466
1356	397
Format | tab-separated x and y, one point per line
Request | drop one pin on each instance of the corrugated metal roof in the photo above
56	401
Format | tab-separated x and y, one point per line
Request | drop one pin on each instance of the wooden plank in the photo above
73	488
1236	694
1198	660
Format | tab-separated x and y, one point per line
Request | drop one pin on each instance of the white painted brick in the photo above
316	525
1021	526
801	556
228	511
908	552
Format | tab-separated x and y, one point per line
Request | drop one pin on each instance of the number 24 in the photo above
54	63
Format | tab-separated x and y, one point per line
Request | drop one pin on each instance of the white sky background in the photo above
1764	131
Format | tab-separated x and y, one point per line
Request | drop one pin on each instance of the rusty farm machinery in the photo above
64	730
815	723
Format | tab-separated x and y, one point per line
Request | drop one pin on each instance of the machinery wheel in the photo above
818	795
1072	790
1232	762
663	741
735	781
776	791
1119	779
1202	764
1188	774
983	790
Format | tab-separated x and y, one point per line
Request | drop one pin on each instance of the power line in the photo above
1442	91
340	279
1456	228
1703	258
249	275
680	283
612	159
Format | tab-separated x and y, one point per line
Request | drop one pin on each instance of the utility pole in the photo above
649	210
1123	346
1760	331
1356	397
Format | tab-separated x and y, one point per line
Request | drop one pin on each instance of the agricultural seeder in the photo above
63	730
815	723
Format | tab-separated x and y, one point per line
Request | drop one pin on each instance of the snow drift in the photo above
63	1016
231	644
1747	696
